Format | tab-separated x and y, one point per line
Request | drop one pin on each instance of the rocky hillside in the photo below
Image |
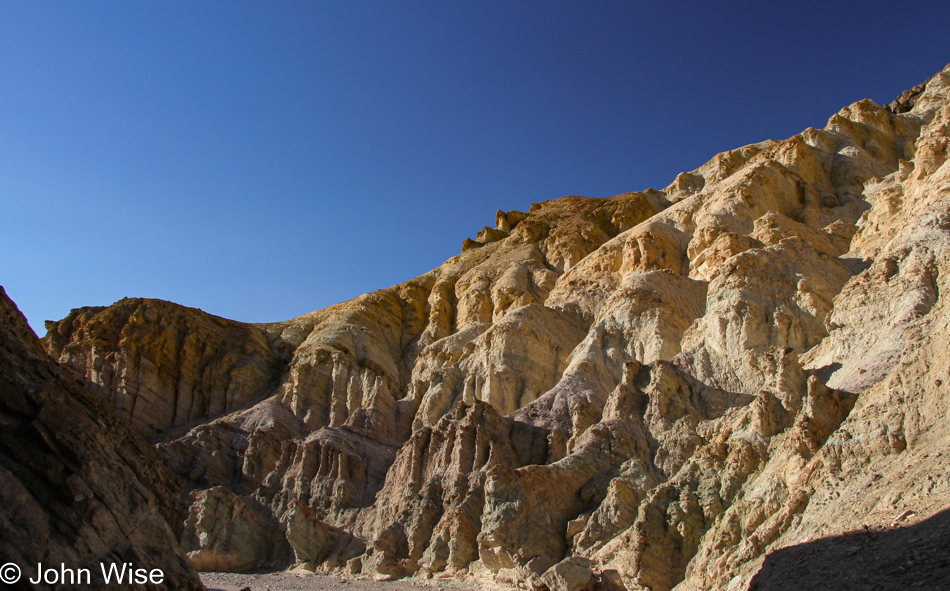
658	389
77	486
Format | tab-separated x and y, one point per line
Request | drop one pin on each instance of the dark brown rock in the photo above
77	485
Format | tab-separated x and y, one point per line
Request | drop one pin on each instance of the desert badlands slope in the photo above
700	387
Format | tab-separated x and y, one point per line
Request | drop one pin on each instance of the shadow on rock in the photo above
914	557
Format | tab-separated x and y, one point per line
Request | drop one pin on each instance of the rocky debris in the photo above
571	574
77	486
654	390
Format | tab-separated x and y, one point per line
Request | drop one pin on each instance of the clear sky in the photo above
260	160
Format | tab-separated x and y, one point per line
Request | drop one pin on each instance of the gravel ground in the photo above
289	581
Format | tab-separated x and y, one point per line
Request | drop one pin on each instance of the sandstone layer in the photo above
77	486
661	389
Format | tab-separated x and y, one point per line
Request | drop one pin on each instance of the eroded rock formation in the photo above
77	486
163	365
649	391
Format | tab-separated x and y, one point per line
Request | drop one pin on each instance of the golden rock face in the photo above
164	365
656	389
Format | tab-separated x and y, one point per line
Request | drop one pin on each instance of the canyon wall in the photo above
655	390
78	487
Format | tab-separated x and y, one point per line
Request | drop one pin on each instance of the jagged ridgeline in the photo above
653	390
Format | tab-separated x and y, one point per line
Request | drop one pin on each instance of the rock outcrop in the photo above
163	365
655	390
77	486
228	533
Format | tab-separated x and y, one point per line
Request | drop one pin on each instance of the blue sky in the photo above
262	160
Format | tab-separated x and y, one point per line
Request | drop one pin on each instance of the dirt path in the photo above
309	582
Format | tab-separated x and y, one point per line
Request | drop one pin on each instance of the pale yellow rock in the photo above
655	390
164	365
507	364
